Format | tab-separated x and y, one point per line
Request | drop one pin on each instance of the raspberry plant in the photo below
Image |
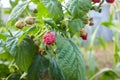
41	43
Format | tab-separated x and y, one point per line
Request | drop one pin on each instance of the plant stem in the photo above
100	4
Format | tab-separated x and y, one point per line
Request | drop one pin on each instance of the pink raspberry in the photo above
49	38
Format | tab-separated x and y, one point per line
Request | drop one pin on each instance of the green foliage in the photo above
38	67
22	52
70	59
55	9
42	10
106	74
56	72
50	22
102	42
18	10
78	8
75	26
2	43
14	76
6	56
4	71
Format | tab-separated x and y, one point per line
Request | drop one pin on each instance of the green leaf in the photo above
4	71
2	43
50	22
23	53
35	1
56	72
78	8
14	76
107	24
2	36
11	45
6	56
102	42
70	59
17	10
107	73
55	9
61	0
42	10
27	31
39	66
75	26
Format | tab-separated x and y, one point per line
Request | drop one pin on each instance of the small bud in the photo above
32	37
40	50
29	20
100	10
35	11
37	42
91	19
19	24
86	21
91	24
93	8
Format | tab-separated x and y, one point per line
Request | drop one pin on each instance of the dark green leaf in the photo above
14	76
38	67
78	8
29	30
70	59
22	52
50	22
55	9
56	72
4	71
75	26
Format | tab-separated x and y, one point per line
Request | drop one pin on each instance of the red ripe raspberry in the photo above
84	37
49	38
96	1
83	34
110	1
